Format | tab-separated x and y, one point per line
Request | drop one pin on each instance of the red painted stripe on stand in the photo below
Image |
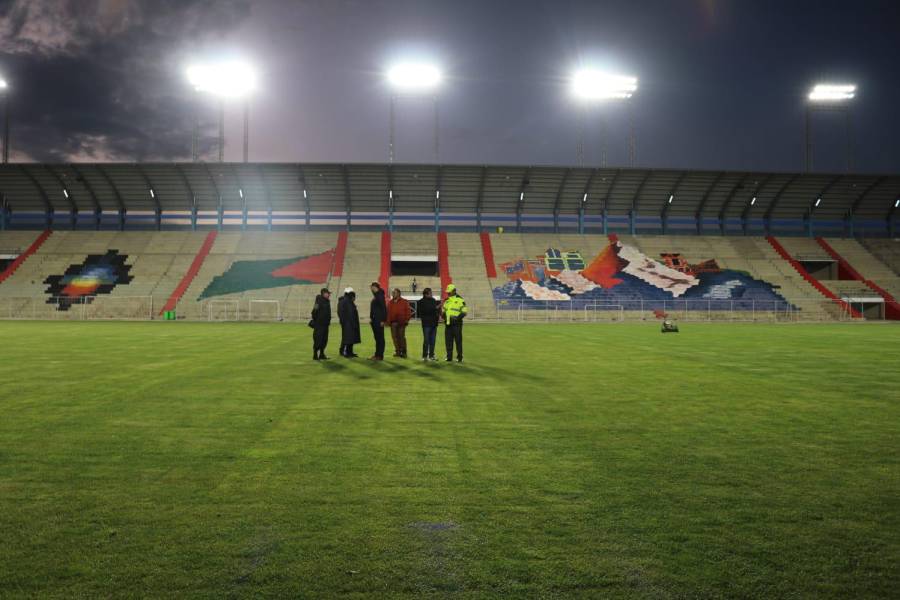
191	272
488	251
444	261
384	278
809	278
339	254
34	247
891	306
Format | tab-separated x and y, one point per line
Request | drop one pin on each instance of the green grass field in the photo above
203	460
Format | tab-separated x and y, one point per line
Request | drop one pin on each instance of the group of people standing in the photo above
395	314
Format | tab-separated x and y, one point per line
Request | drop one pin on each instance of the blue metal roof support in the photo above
731	194
153	195
305	192
767	217
347	198
390	197
556	202
69	195
698	214
745	214
48	206
848	221
220	209
480	199
605	209
98	210
520	203
665	207
120	203
632	214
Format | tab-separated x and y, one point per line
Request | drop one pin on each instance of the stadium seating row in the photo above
266	275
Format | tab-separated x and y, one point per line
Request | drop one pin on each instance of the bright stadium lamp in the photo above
829	97
828	92
591	84
415	79
226	80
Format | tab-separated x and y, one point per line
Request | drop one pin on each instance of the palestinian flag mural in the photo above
245	275
98	274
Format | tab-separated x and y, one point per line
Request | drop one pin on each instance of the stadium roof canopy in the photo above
448	189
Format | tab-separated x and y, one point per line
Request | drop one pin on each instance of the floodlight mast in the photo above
4	91
593	86
414	80
225	80
829	97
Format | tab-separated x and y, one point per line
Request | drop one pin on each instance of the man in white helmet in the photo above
453	311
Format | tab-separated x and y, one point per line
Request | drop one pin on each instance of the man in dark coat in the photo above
321	320
349	317
427	310
377	317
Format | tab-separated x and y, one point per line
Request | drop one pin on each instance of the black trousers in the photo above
320	339
453	333
378	334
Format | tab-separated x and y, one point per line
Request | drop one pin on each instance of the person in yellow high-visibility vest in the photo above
453	311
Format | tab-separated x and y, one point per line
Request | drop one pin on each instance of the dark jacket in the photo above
427	309
321	312
348	314
378	308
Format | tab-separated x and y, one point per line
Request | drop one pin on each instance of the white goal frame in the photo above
226	303
277	303
593	309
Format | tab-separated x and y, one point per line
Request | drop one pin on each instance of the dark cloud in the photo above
100	79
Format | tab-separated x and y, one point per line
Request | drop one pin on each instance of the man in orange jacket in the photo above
399	314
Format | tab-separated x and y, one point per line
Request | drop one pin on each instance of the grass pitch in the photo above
160	459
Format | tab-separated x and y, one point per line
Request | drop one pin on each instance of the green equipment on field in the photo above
169	315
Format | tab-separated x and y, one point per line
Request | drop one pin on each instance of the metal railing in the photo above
90	308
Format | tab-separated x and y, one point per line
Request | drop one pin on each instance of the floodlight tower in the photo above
413	80
829	97
593	86
228	80
4	91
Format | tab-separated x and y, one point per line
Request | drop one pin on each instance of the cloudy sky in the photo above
722	82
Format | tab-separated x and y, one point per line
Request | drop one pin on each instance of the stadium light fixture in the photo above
818	202
584	198
414	77
831	92
671	197
152	194
241	193
897	203
227	79
591	84
3	84
437	194
521	196
390	194
304	195
66	193
753	201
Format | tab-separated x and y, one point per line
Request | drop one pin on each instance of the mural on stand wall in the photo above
81	283
622	276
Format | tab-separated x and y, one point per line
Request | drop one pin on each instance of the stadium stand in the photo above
134	231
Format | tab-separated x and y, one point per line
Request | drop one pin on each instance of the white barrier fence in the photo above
141	308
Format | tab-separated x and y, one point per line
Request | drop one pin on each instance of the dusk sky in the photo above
722	83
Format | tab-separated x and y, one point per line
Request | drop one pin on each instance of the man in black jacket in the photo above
377	317
349	317
427	311
321	320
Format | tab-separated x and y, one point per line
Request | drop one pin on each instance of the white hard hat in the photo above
348	290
